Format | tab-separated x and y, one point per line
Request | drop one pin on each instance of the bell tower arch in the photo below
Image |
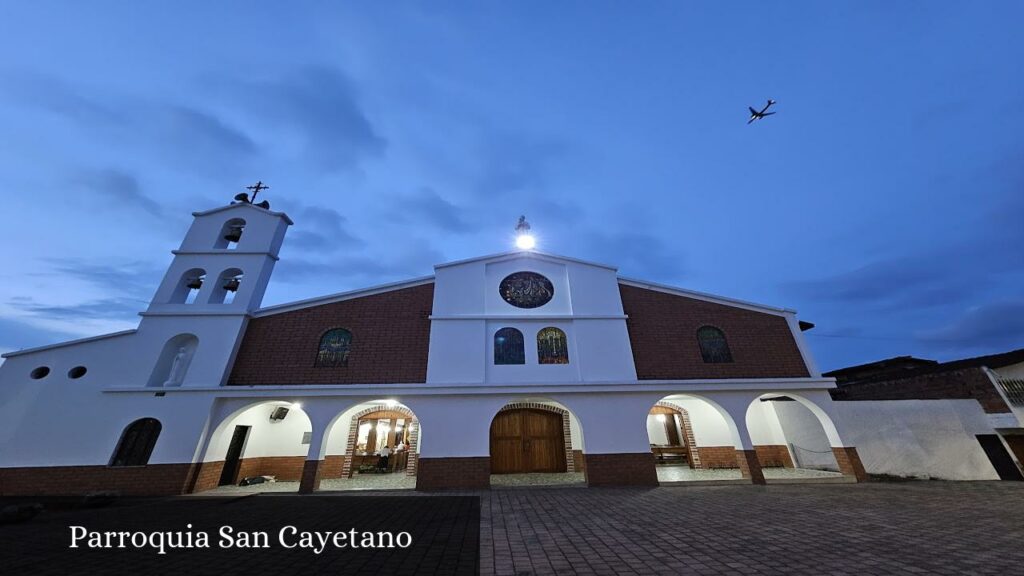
217	278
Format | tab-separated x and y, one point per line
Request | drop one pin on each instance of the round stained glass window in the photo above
526	290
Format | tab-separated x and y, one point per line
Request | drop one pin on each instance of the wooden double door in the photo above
527	440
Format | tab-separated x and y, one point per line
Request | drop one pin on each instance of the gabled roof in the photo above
705	296
524	254
67	343
236	205
339	296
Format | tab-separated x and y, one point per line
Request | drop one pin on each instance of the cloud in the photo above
16	335
360	270
637	254
993	326
105	309
920	281
120	187
430	208
177	132
322	106
137	280
320	229
516	162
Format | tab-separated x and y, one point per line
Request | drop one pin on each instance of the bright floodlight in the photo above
525	242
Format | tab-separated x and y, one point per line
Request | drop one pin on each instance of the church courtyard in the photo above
869	528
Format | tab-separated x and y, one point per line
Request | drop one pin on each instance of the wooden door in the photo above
526	440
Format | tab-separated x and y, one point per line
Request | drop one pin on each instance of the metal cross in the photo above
256	190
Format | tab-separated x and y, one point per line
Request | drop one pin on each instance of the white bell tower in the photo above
219	275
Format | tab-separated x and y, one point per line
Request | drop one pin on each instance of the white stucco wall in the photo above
802	431
266	438
925	438
709	426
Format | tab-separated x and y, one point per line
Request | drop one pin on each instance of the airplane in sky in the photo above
755	115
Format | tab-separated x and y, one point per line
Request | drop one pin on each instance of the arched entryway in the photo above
373	445
789	434
261	447
532	442
692	439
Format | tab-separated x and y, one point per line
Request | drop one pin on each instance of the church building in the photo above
520	363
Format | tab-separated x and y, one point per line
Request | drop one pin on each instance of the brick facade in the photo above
774	456
631	469
713	457
150	480
750	466
663	334
967	383
390	340
283	468
473	473
849	463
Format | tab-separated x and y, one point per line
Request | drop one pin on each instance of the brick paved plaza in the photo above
856	529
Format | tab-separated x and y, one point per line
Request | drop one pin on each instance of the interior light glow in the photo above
660	417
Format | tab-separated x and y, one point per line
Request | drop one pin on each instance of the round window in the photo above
41	372
526	290
77	372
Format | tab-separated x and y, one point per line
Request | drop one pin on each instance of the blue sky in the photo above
883	201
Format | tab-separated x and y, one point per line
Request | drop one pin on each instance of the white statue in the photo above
178	367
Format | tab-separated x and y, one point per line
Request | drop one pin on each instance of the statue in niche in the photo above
178	367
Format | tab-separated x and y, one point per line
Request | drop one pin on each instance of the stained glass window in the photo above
335	346
713	347
508	347
526	290
136	443
552	346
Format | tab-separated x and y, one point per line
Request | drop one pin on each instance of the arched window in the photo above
552	346
335	346
509	347
713	347
136	443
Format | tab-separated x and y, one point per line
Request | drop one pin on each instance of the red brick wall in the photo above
631	469
579	461
774	456
283	468
309	479
151	480
206	476
969	383
717	457
390	340
663	334
750	466
454	473
849	463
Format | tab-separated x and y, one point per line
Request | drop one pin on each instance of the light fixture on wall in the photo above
297	405
279	413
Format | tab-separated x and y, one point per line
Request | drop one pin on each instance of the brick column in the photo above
454	473
310	481
630	469
750	466
849	463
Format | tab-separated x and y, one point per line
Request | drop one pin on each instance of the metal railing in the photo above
1014	390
